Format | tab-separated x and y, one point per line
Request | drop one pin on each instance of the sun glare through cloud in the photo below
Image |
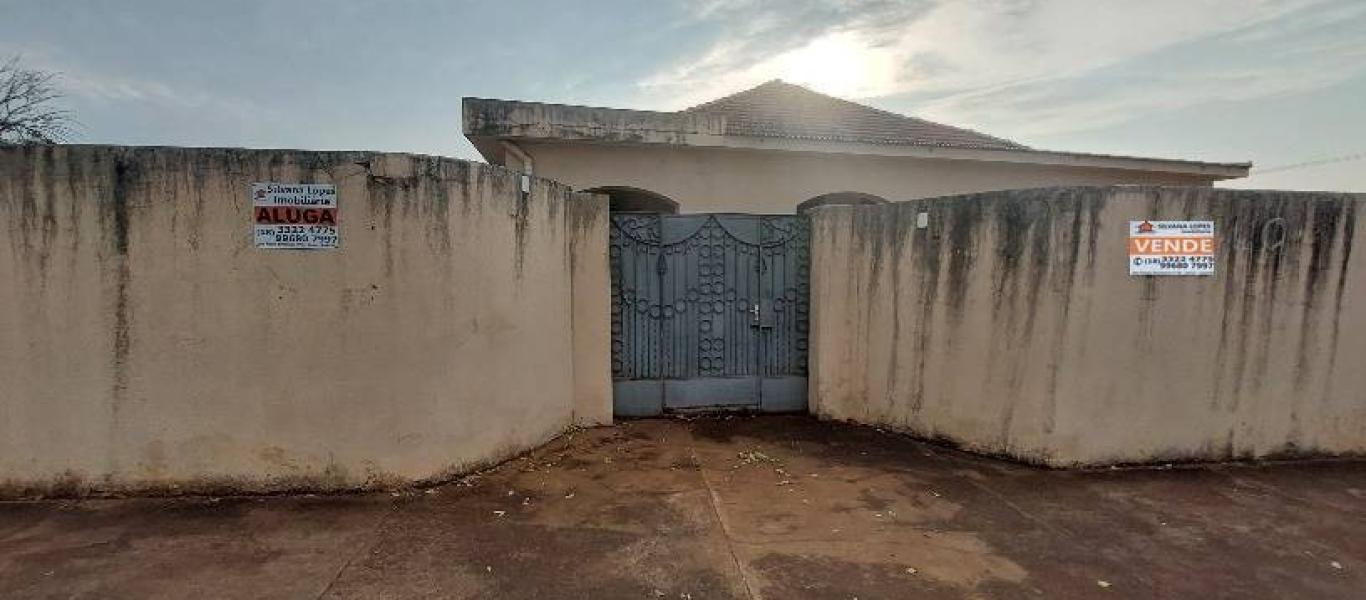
840	64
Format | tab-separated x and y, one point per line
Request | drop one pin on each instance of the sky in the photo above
1279	83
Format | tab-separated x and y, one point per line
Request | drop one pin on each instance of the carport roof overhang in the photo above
488	122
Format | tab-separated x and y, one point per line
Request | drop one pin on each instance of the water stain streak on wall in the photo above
1010	325
146	343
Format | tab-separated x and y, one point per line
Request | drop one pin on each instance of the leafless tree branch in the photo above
27	113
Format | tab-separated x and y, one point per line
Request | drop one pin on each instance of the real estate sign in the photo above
294	215
1171	247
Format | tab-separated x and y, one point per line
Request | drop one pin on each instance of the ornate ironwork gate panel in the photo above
709	311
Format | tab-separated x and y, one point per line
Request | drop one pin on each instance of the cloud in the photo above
105	88
764	40
1279	53
1025	67
84	84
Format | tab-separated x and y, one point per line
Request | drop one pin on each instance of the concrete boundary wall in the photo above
145	343
1010	325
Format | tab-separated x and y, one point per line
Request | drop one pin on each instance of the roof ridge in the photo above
714	101
923	131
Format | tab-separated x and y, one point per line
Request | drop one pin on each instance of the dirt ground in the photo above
740	507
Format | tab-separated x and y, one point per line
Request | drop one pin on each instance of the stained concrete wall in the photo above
145	343
1010	325
590	302
729	180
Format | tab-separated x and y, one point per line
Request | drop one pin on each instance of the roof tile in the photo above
785	110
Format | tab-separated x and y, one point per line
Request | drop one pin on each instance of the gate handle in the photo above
754	310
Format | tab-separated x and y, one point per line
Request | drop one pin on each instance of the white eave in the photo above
1033	157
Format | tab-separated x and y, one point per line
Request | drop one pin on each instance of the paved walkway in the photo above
764	507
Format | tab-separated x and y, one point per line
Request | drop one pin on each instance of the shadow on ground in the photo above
727	507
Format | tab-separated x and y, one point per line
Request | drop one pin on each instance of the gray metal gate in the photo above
709	311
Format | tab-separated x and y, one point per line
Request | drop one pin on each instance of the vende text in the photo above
1150	246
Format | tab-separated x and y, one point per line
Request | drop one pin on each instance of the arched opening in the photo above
629	199
855	198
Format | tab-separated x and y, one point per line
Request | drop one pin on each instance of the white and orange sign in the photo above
1171	247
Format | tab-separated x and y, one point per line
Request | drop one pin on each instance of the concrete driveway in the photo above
742	507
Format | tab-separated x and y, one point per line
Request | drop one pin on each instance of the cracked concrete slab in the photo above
725	507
